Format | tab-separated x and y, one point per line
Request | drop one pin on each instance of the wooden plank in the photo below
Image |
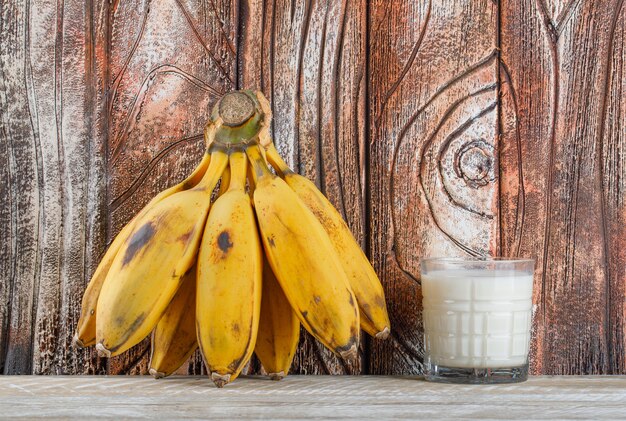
6	221
309	59
612	142
96	63
311	397
169	60
433	151
21	158
46	119
562	166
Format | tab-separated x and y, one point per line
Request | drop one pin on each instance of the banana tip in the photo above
383	334
102	351
349	354
277	376
77	342
156	374
220	380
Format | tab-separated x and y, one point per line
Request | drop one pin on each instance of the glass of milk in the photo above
477	318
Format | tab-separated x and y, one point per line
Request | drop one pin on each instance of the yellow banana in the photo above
251	187
146	272
85	334
361	275
174	337
303	259
224	182
229	280
279	328
183	251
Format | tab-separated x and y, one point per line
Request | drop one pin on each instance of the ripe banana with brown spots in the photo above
304	262
85	334
361	275
146	272
229	280
279	328
315	273
174	337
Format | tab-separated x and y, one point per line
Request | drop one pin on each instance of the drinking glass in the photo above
477	319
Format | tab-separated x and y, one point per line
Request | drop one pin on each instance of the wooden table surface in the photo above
310	397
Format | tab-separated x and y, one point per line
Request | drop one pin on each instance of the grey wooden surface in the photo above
311	397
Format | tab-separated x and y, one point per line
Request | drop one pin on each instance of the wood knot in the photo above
474	163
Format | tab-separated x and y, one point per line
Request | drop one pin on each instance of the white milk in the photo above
477	318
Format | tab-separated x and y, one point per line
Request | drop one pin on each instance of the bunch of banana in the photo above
239	274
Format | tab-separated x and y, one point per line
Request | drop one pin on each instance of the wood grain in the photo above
433	152
309	59
311	397
439	127
613	177
46	107
562	165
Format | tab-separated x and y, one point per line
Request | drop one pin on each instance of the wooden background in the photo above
458	127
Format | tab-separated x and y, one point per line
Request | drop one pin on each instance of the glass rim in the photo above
486	259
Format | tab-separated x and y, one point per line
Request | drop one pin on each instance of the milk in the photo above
476	318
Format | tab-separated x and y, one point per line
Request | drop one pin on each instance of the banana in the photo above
146	272
303	259
224	182
361	275
251	187
193	272
85	334
174	337
279	328
229	280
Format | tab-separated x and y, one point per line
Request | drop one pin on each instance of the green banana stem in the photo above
236	119
264	134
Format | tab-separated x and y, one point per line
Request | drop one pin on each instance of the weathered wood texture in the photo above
563	166
53	182
309	59
433	94
456	127
311	397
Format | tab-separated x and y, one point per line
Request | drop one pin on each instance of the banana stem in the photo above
259	166
236	108
264	134
210	130
238	169
235	119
